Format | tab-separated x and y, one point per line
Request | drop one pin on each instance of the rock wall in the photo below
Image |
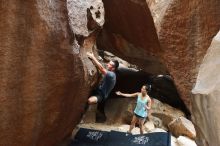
44	78
185	30
129	32
77	11
206	96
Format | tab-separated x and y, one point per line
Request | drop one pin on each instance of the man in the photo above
108	82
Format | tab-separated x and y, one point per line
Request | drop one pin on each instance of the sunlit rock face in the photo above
206	96
44	80
77	11
129	32
185	30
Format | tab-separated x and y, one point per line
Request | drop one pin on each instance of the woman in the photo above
143	104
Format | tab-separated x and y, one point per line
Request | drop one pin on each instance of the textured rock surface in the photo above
158	10
185	141
77	11
149	125
185	30
129	32
182	126
164	112
42	80
206	99
173	141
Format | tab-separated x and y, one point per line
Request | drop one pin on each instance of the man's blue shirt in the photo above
107	84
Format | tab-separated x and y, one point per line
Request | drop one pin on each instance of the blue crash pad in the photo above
89	137
150	139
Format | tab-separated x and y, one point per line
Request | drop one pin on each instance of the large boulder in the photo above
44	78
162	114
129	33
182	126
185	141
185	30
206	96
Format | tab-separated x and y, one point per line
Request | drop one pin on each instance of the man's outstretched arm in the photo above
97	63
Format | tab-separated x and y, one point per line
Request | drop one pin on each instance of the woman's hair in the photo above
116	64
147	87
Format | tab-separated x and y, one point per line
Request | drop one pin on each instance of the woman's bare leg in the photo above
141	124
133	122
